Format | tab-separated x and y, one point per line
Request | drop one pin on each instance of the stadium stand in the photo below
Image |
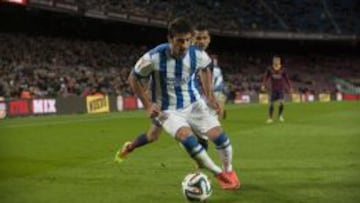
73	62
48	66
279	15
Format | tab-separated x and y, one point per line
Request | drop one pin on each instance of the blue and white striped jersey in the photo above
218	81
173	81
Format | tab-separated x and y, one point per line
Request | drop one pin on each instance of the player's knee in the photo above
182	133
213	133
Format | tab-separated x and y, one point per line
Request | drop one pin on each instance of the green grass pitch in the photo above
313	157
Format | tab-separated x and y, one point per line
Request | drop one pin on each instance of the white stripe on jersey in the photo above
171	88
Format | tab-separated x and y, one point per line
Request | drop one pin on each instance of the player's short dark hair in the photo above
180	25
201	26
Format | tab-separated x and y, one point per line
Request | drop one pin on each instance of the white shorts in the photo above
213	115
196	116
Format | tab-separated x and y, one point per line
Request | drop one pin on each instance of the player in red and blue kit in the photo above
280	83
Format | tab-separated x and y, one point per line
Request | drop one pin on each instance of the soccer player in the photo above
176	101
201	39
278	77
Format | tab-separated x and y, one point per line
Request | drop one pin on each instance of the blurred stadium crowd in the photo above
54	66
277	15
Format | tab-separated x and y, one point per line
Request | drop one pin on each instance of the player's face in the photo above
276	63
202	39
180	43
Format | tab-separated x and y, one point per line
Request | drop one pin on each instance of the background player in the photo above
278	77
173	68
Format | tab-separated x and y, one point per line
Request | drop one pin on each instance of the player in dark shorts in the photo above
280	83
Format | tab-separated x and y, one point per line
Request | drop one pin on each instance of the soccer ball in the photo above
196	187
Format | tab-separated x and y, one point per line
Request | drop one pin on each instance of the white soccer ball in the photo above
196	187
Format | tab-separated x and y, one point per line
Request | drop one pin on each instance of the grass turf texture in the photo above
313	157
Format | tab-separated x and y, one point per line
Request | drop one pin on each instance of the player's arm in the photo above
142	69
206	82
139	89
205	76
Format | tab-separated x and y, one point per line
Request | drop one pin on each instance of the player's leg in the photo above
273	98
195	149
281	107
203	121
144	139
141	140
202	138
225	151
177	125
199	154
204	142
271	112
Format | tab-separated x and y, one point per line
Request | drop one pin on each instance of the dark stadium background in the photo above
35	21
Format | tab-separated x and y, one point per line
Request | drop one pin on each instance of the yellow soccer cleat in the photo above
122	153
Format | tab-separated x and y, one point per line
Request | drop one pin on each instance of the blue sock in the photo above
222	141
192	145
140	141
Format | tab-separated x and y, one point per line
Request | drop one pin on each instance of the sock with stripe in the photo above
223	145
198	153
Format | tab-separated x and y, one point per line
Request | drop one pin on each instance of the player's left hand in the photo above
154	110
212	103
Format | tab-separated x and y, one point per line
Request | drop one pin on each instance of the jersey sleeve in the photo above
144	66
203	60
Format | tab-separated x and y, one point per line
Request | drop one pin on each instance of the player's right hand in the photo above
153	111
